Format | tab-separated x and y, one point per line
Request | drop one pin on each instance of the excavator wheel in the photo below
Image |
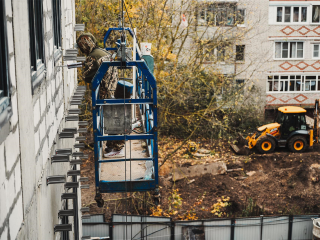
297	144
266	144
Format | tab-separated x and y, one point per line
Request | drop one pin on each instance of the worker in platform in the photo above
87	44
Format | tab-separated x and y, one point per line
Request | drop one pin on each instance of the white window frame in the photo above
244	51
291	15
289	44
215	23
311	22
313	50
244	17
281	83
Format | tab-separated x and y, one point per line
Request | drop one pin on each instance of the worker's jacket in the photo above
91	66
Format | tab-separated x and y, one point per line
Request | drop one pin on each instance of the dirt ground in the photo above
268	184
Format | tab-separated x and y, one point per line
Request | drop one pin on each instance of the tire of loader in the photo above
266	144
297	144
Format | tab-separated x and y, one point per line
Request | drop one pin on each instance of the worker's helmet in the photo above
86	42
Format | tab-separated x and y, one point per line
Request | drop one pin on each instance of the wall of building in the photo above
252	33
306	32
28	207
259	33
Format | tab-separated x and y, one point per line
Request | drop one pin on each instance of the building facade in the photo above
271	45
293	76
35	94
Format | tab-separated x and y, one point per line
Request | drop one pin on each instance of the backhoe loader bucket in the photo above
241	147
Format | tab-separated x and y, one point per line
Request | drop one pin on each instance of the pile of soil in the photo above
268	184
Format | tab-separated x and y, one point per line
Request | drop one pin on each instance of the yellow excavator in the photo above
292	129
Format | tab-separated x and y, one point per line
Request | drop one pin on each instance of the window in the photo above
293	83
289	50
4	62
241	16
56	7
220	14
36	33
240	52
5	109
316	13
291	14
316	51
310	83
214	52
287	14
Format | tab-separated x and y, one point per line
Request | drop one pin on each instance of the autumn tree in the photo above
190	42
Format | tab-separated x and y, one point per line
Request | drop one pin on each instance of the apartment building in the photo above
293	76
235	43
34	97
272	46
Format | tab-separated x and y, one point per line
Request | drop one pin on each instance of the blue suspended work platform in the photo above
138	169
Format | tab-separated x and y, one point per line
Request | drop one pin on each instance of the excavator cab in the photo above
290	122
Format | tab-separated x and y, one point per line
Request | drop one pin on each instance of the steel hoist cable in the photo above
122	48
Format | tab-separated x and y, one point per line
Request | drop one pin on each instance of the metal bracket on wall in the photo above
60	158
79	93
79	145
66	213
66	135
82	130
71	118
76	161
80	139
71	185
77	154
71	51
83	179
73	58
56	179
64	151
68	196
75	102
62	228
73	173
74	111
80	90
72	130
85	209
79	27
83	123
84	157
84	186
77	97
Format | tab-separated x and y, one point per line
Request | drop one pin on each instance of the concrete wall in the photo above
28	207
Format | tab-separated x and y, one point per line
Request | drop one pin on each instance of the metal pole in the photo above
261	226
233	221
290	227
75	207
172	225
134	73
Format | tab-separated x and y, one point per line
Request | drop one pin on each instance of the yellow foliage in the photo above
218	208
156	211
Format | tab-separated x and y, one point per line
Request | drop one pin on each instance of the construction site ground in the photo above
259	184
